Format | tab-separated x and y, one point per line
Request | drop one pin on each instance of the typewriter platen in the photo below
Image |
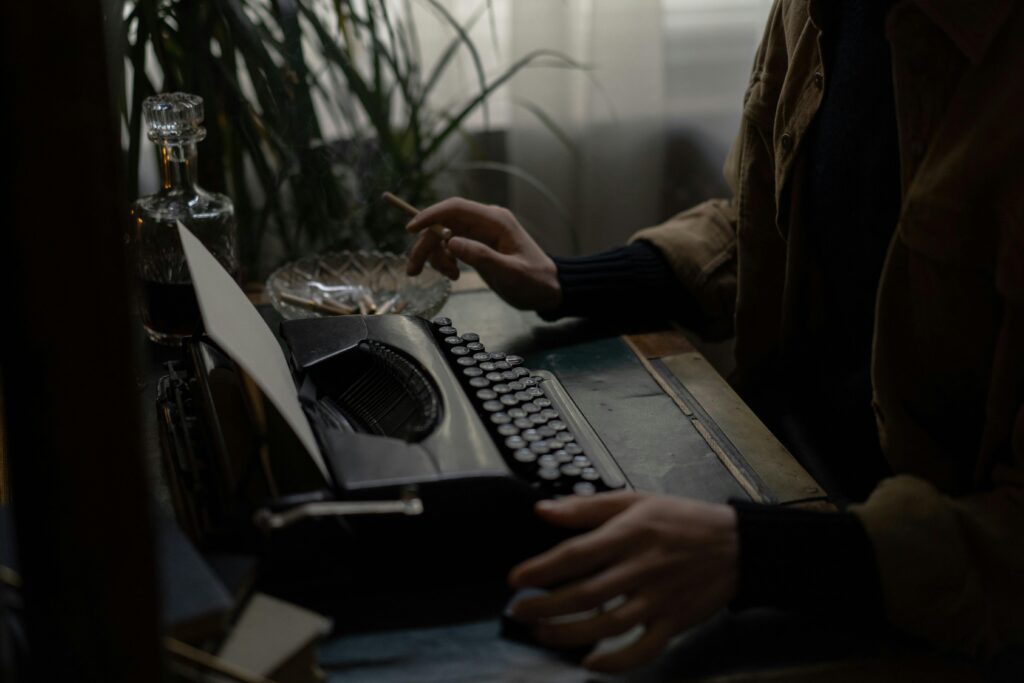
401	407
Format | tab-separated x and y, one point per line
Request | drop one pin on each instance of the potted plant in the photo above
313	108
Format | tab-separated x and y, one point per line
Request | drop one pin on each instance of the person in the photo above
871	265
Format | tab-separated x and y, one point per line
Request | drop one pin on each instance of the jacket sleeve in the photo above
952	569
700	245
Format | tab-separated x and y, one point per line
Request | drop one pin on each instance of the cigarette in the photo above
388	305
332	307
400	306
396	201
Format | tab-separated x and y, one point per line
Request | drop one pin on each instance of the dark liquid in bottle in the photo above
170	310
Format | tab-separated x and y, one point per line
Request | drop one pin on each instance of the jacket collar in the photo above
972	26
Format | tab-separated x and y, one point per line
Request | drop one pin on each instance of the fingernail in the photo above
547	505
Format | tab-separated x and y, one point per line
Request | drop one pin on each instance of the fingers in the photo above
576	512
489	263
653	641
444	262
463	217
573	558
421	251
604	625
582	595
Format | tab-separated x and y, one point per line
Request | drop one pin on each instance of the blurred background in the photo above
589	118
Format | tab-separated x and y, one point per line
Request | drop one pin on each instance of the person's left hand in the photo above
673	560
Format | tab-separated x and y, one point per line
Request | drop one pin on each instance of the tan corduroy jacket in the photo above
948	357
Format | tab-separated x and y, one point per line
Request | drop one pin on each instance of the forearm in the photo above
633	282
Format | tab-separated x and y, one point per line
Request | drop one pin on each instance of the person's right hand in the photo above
490	239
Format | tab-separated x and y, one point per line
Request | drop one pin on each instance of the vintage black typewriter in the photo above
435	448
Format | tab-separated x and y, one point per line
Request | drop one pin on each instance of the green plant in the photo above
266	67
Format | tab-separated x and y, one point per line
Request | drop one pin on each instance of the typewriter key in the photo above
543	402
546	432
501	388
487	366
573	449
537	419
447	330
531	435
507	375
547	461
521	395
525	455
500	418
517	413
548	473
509	400
516	386
486	395
514	360
521	372
460	350
471	337
480	357
571	470
523	423
530	408
441	321
508	430
540	447
562	457
557	425
472	372
536	392
497	355
581	461
453	340
549	413
502	365
515	442
590	474
528	382
475	347
565	437
494	376
479	382
466	362
492	406
584	488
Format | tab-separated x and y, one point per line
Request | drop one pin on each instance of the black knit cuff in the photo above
633	281
809	562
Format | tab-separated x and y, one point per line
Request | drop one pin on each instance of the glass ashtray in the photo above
362	282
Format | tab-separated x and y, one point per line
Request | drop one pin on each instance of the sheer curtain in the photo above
642	131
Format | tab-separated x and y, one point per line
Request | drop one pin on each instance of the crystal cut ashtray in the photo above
362	282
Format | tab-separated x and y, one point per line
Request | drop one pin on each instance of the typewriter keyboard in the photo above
534	437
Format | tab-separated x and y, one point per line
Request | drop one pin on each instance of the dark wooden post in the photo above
72	406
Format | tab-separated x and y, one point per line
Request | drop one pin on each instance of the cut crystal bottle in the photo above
170	312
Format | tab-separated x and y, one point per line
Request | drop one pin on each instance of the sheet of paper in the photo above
237	328
270	632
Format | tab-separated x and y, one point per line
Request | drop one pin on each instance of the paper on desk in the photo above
234	324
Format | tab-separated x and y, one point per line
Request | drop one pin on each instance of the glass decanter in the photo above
170	312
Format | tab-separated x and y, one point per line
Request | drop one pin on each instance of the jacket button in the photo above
787	142
819	80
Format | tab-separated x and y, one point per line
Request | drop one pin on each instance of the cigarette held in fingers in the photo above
396	201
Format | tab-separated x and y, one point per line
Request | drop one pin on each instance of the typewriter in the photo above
435	448
379	448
